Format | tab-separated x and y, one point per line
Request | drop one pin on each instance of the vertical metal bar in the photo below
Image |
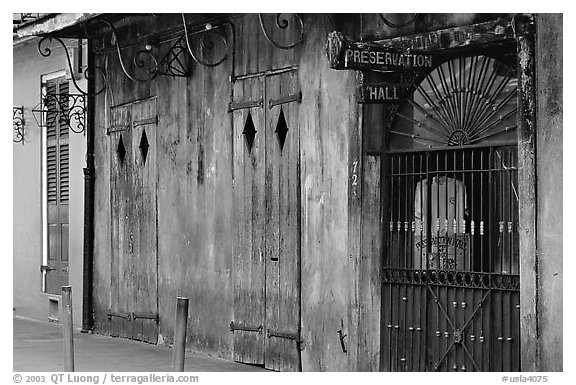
422	346
390	327
472	214
391	257
490	226
179	353
403	292
501	228
481	218
395	286
462	225
421	226
395	326
399	204
457	200
511	166
410	298
67	328
402	288
411	219
406	214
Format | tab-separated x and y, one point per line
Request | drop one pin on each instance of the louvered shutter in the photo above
52	175
64	173
57	182
57	146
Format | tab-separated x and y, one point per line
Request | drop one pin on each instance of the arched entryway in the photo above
450	289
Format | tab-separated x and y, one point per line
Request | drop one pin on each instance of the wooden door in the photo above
282	223
266	321
250	221
134	293
57	184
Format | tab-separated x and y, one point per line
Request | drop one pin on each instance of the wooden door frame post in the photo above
527	200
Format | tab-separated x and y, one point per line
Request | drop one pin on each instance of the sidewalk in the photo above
38	347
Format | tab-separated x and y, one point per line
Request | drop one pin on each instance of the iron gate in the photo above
450	292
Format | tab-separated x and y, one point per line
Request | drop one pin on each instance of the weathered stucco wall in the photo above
195	233
28	299
549	176
327	120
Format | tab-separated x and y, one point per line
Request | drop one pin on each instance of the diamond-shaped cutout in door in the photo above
121	150
144	146
249	132
281	129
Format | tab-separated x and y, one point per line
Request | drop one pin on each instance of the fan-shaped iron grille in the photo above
464	101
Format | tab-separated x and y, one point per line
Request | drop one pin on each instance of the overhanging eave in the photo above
61	24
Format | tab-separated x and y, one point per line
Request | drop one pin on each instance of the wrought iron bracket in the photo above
18	124
175	63
138	60
282	23
71	108
206	42
88	72
395	25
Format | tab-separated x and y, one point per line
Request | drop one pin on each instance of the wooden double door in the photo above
266	322
133	311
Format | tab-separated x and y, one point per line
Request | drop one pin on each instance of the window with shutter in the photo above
57	182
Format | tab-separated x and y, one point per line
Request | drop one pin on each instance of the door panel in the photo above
282	230
134	308
266	321
249	217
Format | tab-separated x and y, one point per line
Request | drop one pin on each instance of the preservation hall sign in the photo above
344	54
381	92
384	59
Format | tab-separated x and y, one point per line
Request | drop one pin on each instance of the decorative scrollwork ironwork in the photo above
18	124
138	59
282	23
70	107
394	25
469	279
87	73
174	63
207	43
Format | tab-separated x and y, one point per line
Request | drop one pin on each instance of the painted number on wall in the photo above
355	173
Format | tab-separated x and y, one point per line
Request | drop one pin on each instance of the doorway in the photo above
133	311
450	290
266	322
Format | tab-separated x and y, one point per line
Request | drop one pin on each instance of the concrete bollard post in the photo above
67	328
180	334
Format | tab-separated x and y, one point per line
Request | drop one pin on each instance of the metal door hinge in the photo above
233	106
130	316
247	328
288	99
287	335
144	122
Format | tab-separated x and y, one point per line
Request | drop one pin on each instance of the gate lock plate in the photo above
457	336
